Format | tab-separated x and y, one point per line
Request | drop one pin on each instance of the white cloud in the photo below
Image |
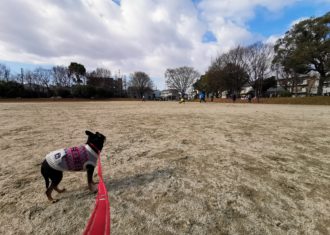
272	39
297	21
139	35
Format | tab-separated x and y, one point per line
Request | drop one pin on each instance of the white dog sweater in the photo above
72	159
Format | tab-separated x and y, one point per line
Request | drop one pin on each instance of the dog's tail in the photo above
44	174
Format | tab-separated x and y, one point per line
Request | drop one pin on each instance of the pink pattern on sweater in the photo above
76	157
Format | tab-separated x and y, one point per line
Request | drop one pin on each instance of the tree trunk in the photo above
259	89
321	83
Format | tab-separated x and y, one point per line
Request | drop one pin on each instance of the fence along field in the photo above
173	168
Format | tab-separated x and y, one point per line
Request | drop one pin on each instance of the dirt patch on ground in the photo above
171	168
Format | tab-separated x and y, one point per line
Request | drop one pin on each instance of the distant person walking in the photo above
143	98
202	97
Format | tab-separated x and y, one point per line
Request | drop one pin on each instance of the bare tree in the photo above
20	77
101	73
42	78
234	56
4	72
29	78
181	79
257	62
140	82
61	76
228	71
100	78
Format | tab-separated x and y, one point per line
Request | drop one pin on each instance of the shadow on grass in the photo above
138	179
81	194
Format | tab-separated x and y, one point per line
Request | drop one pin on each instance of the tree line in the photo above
240	66
304	48
71	81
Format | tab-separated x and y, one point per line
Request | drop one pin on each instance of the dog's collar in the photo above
93	149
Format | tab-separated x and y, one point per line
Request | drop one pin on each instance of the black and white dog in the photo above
81	158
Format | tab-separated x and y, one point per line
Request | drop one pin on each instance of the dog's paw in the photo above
63	190
93	188
54	200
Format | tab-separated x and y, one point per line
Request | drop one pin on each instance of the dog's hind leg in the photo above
47	172
44	172
49	194
56	177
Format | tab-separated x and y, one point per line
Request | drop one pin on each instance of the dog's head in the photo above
96	139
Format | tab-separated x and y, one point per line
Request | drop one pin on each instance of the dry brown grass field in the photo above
171	168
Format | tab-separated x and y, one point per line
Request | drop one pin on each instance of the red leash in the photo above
99	222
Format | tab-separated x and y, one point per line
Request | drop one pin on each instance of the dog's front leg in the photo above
91	185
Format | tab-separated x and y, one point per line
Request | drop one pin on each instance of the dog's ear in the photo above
100	135
88	133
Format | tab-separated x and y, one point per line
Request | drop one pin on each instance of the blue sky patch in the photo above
196	1
209	37
117	2
15	67
268	23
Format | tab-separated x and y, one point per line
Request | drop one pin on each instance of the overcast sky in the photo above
140	35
